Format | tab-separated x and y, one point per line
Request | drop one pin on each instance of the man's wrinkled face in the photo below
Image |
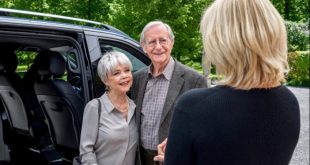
157	44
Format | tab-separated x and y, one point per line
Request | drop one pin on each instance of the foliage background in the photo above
183	15
299	69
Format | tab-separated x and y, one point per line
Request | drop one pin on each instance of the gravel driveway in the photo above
301	154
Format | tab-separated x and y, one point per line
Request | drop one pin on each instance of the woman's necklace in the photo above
122	107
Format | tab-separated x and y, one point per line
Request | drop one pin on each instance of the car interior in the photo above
41	98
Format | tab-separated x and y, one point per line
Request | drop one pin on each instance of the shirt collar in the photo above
167	72
110	107
107	103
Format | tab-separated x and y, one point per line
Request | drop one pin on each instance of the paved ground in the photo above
301	154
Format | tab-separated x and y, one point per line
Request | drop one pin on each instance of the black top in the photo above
221	125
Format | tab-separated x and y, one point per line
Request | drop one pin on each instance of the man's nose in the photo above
158	45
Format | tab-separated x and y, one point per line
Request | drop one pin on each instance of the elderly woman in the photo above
110	138
249	117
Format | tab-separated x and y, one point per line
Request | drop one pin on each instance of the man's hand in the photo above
161	148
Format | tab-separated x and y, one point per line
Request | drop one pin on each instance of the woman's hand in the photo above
161	148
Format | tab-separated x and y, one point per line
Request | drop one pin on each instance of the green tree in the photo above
182	15
88	9
131	15
298	36
293	10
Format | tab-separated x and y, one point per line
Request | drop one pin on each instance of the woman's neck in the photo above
118	98
120	102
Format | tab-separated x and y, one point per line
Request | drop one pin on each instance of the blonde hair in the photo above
246	41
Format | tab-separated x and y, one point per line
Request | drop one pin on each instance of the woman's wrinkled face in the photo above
120	80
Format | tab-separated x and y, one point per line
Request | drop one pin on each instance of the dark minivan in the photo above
48	72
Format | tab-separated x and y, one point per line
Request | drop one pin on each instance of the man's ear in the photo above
143	47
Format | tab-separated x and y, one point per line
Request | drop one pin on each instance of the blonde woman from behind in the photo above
250	117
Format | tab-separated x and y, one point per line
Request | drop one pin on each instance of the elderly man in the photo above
157	87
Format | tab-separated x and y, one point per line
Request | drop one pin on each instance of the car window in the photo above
71	75
25	60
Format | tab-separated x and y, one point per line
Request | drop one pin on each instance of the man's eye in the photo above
162	41
151	42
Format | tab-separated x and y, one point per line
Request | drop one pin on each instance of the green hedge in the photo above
299	74
299	69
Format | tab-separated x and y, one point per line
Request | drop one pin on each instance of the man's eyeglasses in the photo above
153	43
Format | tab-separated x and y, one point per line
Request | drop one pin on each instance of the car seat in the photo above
12	102
60	103
12	113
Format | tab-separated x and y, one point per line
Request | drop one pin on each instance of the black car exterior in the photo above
42	99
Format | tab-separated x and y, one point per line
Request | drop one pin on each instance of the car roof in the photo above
72	24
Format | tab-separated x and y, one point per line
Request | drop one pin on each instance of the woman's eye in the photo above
116	73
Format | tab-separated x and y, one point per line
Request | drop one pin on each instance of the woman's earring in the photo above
107	88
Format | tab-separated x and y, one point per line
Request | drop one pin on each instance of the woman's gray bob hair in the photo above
109	61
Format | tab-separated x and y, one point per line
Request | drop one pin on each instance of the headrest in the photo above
9	61
50	63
